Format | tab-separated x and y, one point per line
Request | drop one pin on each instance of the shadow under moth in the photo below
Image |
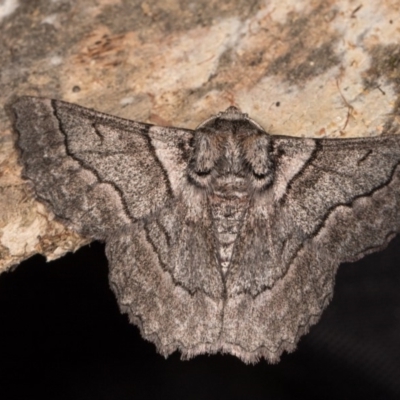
219	239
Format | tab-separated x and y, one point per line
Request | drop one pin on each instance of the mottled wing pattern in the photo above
167	278
97	173
220	239
345	180
335	201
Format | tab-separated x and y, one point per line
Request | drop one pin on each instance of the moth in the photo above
220	239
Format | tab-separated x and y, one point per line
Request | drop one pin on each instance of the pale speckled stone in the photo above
7	7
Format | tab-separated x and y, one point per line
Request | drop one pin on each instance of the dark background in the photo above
62	337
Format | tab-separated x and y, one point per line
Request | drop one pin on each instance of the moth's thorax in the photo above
231	155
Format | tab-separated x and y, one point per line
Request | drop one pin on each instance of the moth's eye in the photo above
260	176
203	172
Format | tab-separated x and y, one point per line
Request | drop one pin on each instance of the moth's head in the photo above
231	153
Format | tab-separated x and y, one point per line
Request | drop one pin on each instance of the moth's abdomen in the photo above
227	215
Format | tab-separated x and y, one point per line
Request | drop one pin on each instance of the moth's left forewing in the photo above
119	152
96	172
